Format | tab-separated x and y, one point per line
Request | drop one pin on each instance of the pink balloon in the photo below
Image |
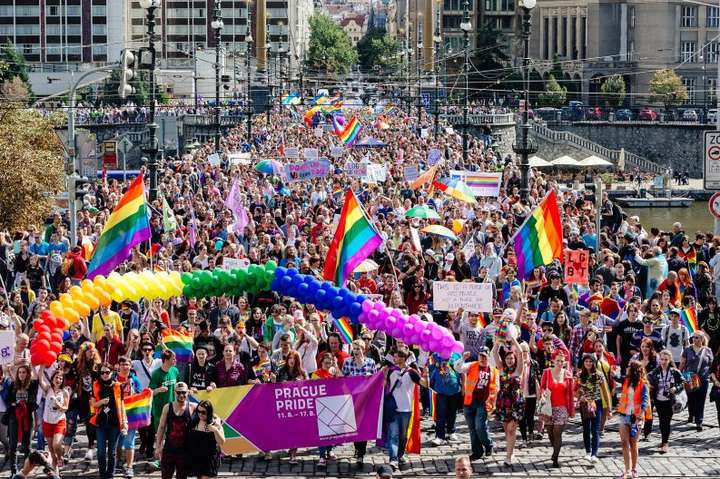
413	318
383	315
379	306
419	327
395	312
367	305
447	342
436	332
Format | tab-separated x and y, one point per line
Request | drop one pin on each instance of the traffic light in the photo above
225	79
81	187
127	73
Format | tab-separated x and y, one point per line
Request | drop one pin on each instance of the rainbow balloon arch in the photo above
81	300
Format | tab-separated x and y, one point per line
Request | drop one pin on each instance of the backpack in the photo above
67	266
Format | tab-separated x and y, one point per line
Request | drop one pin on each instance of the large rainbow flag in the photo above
178	341
355	239
689	319
138	409
127	227
348	132
539	239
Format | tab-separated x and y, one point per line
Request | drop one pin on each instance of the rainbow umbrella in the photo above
456	189
270	167
440	231
422	211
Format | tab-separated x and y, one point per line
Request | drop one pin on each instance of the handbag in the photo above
714	394
680	402
588	409
389	403
545	407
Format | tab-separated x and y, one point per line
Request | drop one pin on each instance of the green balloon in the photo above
271	266
186	278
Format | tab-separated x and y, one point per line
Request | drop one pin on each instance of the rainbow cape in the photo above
344	329
688	317
355	239
539	239
179	342
127	227
348	132
138	408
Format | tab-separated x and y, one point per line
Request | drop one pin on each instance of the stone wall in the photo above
676	146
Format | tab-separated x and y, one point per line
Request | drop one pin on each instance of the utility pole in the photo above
151	149
525	148
248	54
436	69
217	25
465	26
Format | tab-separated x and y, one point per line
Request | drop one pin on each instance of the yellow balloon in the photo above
100	281
72	316
87	285
57	309
82	308
103	297
67	301
457	226
92	301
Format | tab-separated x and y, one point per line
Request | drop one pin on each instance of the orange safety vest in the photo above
122	419
637	400
471	379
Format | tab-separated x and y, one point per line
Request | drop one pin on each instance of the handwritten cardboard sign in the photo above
473	297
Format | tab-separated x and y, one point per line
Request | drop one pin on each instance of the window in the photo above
6	10
690	86
99	29
6	30
99	11
712	52
713	17
73	30
688	52
27	11
27	29
712	89
688	17
53	30
632	17
99	50
53	10
508	5
490	5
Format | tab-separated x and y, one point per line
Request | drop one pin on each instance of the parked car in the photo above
648	114
712	116
593	113
548	114
623	114
690	115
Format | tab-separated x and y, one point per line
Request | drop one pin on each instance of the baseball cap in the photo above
65	358
429	252
483	350
675	311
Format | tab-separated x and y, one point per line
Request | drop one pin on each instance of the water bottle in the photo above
633	430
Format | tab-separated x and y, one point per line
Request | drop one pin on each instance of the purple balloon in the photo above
367	305
425	337
437	332
382	315
408	330
413	318
396	312
447	342
458	347
390	322
363	317
379	306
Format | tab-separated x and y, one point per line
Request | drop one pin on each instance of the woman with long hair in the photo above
87	365
685	284
291	371
648	359
558	387
561	328
633	409
327	370
589	391
509	405
530	389
709	321
57	399
21	401
695	364
132	345
108	418
205	438
665	382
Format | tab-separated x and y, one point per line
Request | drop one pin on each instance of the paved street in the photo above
692	454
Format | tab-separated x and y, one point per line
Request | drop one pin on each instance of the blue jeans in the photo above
325	451
591	430
476	418
445	414
397	435
696	403
107	439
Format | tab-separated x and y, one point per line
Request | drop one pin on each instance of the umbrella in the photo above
366	266
565	161
270	167
440	231
422	212
456	189
537	162
594	161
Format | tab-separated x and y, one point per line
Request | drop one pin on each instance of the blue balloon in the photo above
355	310
337	302
302	290
291	272
313	287
320	298
280	272
333	291
309	279
343	292
275	285
297	279
285	283
361	298
350	299
326	286
292	291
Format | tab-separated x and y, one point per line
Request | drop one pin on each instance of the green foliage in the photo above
12	64
491	58
330	46
108	91
376	47
554	94
613	90
667	88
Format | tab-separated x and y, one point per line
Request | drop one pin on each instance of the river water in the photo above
695	218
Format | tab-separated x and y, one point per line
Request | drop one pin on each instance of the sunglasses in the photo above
181	393
105	372
547	330
147	350
201	411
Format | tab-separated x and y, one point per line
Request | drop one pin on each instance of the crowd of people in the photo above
569	357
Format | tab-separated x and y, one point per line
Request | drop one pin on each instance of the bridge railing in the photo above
478	119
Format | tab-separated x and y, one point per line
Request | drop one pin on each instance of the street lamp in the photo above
217	25
466	26
436	69
525	147
419	84
151	148
248	45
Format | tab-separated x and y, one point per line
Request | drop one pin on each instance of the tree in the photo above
14	91
613	90
13	65
667	88
554	94
31	168
376	47
330	47
108	92
491	59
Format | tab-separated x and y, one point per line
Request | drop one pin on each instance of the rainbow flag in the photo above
344	329
355	239
539	239
349	132
688	317
127	227
178	341
292	98
481	182
413	432
309	115
138	409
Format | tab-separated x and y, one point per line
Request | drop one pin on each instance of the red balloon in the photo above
48	359
39	323
45	335
57	337
46	315
43	344
55	348
36	359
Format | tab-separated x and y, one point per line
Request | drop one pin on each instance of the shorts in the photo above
624	419
559	416
127	442
49	430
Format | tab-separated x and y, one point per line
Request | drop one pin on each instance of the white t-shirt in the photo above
144	372
403	392
630	408
675	339
54	399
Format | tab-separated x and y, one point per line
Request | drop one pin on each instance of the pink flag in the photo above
192	229
241	220
233	201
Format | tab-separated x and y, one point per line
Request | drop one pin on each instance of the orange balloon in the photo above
92	301
82	308
67	301
72	316
103	297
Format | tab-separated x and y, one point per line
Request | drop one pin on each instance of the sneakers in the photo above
475	457
402	462
488	451
437	442
394	465
129	474
452	437
594	459
588	457
155	463
89	454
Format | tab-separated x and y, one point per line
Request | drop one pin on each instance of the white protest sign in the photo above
469	249
473	297
336	151
292	152
214	159
425	133
375	173
434	156
411	173
7	347
239	158
233	263
356	170
311	153
318	132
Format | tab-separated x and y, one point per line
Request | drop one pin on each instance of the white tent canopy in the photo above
595	161
565	161
538	162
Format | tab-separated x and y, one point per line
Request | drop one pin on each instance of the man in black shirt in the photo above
625	330
553	290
